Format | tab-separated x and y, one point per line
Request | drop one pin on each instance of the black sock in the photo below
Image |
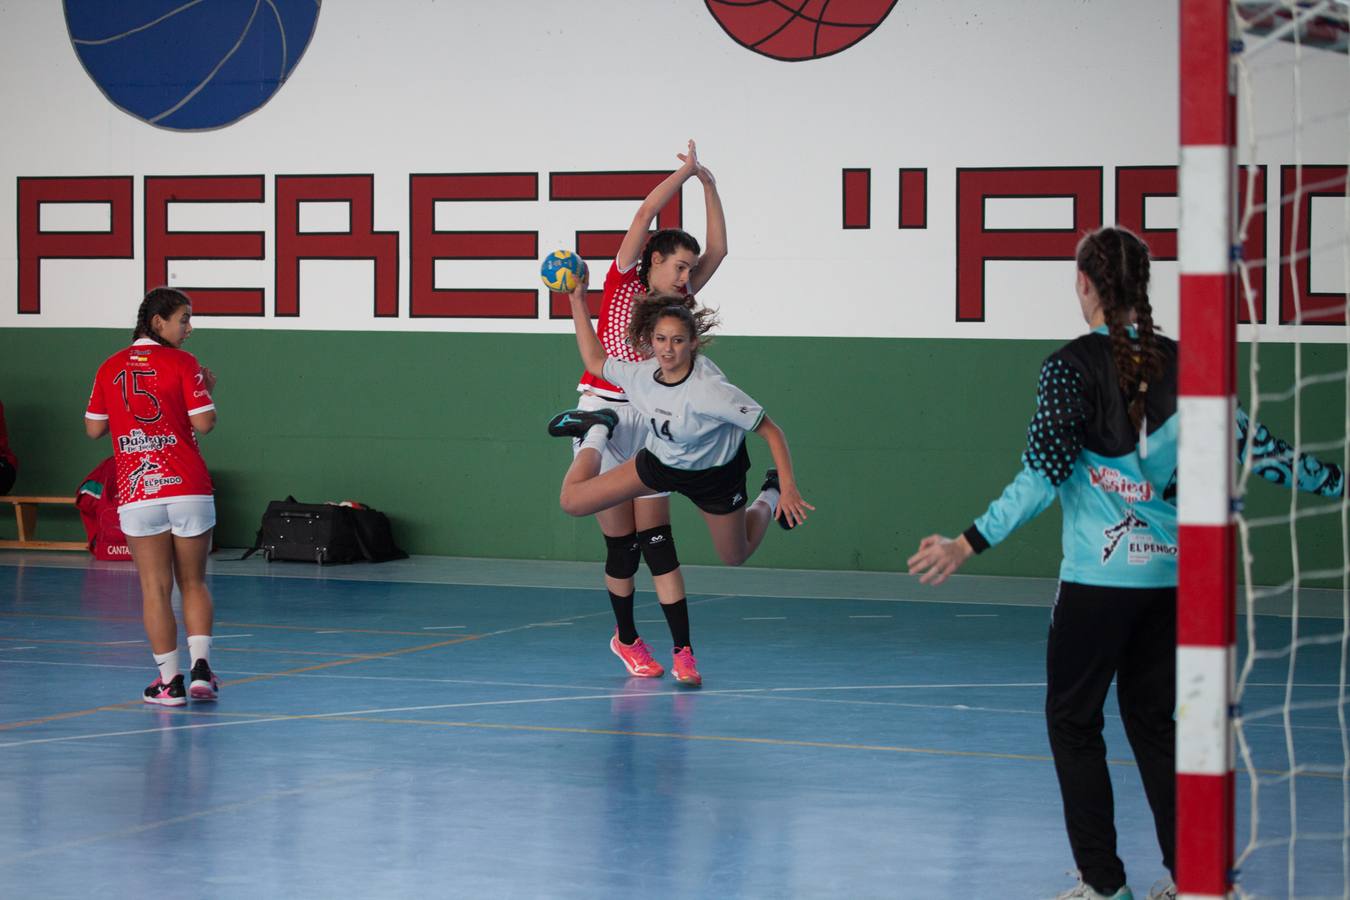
623	617
677	617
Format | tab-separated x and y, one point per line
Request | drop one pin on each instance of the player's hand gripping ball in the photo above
561	270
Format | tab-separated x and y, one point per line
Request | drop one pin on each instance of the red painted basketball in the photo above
796	30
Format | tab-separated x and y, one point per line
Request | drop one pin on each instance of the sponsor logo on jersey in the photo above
139	473
153	483
1117	532
140	442
1115	482
1143	549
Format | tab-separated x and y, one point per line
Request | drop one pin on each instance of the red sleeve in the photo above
97	409
196	397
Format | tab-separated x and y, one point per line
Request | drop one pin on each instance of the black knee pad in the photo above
621	560
658	548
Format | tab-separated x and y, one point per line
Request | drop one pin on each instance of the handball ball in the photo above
561	271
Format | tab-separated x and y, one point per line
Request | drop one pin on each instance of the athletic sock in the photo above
771	497
199	647
596	438
168	665
623	617
677	617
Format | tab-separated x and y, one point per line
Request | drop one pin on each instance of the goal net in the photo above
1264	623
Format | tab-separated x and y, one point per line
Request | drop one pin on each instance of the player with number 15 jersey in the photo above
147	393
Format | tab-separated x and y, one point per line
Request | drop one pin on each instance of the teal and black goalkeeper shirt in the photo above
1117	488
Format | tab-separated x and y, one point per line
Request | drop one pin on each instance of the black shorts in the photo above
719	490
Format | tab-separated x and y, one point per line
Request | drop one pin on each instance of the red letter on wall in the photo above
35	245
1314	307
360	241
428	245
1135	184
598	246
163	245
975	244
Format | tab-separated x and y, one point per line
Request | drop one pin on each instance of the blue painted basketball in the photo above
190	65
561	269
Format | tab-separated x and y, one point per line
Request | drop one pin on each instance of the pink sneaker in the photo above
637	659
685	667
171	694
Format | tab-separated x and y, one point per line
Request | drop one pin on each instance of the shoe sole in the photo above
202	690
692	682
166	701
630	668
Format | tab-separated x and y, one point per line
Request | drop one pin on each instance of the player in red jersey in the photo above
669	261
153	397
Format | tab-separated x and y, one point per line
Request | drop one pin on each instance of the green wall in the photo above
892	439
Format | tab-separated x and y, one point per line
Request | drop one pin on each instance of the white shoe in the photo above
1164	889
1085	891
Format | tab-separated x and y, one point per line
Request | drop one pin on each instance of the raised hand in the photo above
690	159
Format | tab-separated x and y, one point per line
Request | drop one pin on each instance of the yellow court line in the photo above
56	717
716	738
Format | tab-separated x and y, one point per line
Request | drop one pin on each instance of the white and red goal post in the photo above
1206	615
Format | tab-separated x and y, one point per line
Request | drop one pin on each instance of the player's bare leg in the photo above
154	565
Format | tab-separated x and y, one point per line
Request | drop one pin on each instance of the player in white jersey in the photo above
668	261
697	422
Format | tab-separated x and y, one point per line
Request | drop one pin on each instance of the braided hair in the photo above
649	309
1117	264
162	301
666	241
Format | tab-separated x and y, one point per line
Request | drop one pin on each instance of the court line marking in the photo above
360	716
733	693
332	781
137	620
458	639
441	627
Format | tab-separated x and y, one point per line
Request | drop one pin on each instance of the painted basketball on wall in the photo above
189	65
798	30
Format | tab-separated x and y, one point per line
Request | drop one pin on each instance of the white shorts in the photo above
629	436
185	518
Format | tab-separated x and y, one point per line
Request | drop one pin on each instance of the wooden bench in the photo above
25	514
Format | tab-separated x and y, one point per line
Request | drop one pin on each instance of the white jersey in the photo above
696	424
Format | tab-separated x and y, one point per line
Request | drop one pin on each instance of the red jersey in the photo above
616	312
147	392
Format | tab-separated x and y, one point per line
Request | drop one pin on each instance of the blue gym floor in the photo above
459	728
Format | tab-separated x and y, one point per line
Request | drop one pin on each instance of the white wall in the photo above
417	86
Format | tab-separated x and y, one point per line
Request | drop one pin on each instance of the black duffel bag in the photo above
324	533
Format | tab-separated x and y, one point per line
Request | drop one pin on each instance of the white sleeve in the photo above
620	372
729	403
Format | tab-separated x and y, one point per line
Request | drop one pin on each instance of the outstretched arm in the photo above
715	245
630	250
1273	460
593	354
791	507
1054	439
